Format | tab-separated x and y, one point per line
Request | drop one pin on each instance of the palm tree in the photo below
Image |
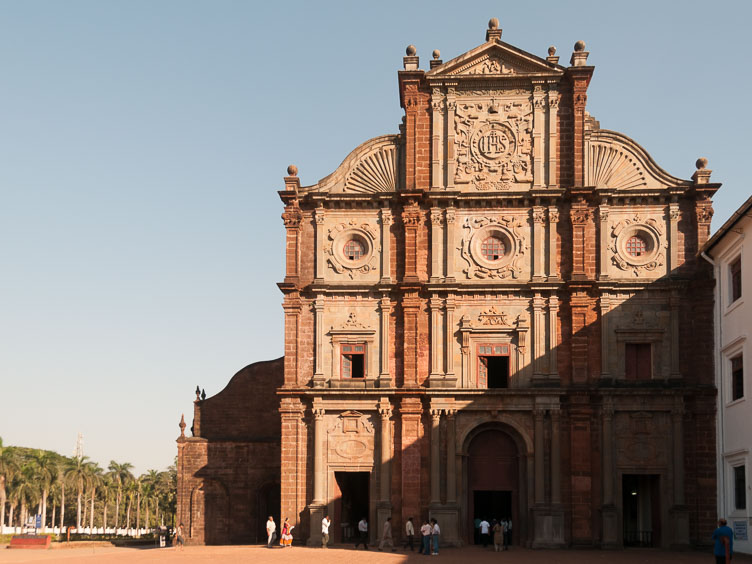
151	482
94	478
77	473
105	487
61	478
8	466
130	492
46	467
121	473
139	485
25	489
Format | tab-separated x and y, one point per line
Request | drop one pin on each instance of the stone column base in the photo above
383	510
548	527
316	513
610	524
679	519
448	518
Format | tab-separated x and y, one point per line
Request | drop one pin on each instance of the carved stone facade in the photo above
499	312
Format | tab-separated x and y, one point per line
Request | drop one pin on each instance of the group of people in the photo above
429	532
501	530
271	533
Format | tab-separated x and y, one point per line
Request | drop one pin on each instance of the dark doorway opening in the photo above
498	371
490	505
351	504
268	504
641	503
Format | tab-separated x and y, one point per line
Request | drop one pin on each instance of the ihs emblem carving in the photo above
494	145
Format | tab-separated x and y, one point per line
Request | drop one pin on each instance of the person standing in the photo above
286	536
485	528
410	533
325	522
425	537
179	540
271	532
435	532
386	535
362	533
498	536
724	543
507	524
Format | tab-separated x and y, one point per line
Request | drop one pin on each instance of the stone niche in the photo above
512	233
352	249
350	439
637	245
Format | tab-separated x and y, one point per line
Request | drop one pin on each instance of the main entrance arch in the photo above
495	474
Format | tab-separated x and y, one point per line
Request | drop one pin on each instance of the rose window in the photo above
353	250
492	248
636	246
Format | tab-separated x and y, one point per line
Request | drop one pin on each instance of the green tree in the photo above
77	473
8	467
46	471
121	474
93	480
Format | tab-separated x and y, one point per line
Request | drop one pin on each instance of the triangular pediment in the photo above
498	59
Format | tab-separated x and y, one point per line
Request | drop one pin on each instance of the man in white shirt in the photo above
425	538
271	532
325	522
410	533
362	533
484	529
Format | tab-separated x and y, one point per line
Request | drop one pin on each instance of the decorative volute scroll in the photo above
615	161
371	167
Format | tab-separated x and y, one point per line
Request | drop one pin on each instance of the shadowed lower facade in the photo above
497	312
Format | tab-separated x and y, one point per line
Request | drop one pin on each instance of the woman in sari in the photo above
286	539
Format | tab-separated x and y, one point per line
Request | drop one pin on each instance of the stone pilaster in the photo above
436	376
553	134
451	106
609	513
539	468
539	131
385	436
385	310
319	216
673	235
675	344
319	380
436	240
539	242
539	339
603	243
450	250
410	413
437	139
553	337
605	308
553	222
435	458
386	247
679	511
450	378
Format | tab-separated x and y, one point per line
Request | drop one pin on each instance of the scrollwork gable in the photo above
616	162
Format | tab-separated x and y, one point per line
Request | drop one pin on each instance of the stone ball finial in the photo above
436	53
411	50
579	46
701	163
493	23
292	170
551	51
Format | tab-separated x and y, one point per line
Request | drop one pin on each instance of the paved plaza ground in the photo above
241	554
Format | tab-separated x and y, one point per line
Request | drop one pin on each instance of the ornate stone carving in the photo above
339	235
539	215
436	217
487	64
292	217
553	215
704	213
579	215
493	317
650	231
494	145
352	322
508	229
350	438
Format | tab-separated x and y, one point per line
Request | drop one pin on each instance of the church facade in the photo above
497	312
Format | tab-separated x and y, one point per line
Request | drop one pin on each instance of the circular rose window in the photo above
492	248
353	250
636	246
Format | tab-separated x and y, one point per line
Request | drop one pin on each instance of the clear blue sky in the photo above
142	144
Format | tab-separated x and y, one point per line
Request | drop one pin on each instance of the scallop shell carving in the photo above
612	167
375	172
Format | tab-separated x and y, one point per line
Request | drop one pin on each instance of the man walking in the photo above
325	522
386	536
362	533
410	533
271	532
724	543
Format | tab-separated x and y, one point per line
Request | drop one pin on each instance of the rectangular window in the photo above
638	361
737	378
353	360
740	487
493	366
735	275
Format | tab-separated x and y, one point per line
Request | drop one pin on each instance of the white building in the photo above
731	254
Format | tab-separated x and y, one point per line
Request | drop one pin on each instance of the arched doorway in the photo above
495	484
